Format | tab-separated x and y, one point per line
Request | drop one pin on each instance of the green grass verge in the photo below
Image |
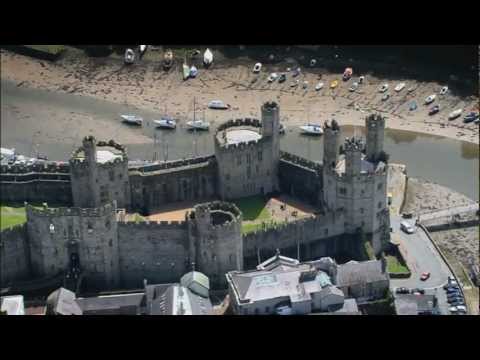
51	49
369	250
394	266
11	216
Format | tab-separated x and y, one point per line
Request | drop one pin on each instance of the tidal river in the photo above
53	124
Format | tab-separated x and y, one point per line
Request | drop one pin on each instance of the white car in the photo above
399	87
407	227
383	88
430	99
353	87
257	68
444	90
272	77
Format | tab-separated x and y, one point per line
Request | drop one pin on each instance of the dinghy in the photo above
353	87
281	129
399	87
319	86
186	71
198	125
143	49
444	90
413	106
347	74
217	104
207	58
132	119
165	123
193	72
430	99
333	84
312	129
167	60
257	68
454	114
129	56
383	88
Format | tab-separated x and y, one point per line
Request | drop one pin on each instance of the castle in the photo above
98	187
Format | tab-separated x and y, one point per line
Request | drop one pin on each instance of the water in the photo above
448	162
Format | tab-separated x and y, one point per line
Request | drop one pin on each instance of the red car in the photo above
425	276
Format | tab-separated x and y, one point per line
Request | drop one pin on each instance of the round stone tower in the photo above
216	243
99	174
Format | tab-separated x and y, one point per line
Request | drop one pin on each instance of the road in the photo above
421	256
448	212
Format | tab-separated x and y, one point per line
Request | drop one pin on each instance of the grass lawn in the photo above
253	208
394	266
369	250
10	216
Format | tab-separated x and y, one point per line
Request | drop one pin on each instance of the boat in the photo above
296	72
305	84
197	124
129	56
347	74
294	83
132	119
186	72
312	129
193	72
143	49
167	60
434	110
430	99
207	58
281	129
361	79
319	86
217	104
333	84
454	114
477	121
411	89
412	106
470	117
385	97
257	68
383	88
353	87
165	123
272	77
282	78
444	90
399	87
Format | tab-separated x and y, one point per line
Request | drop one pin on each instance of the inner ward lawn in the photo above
255	212
394	266
11	215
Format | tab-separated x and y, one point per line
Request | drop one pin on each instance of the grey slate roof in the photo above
354	272
62	302
121	303
179	300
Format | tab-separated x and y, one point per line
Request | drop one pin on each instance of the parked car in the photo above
425	276
407	227
453	309
418	291
402	290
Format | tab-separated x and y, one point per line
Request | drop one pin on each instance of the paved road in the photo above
421	256
448	212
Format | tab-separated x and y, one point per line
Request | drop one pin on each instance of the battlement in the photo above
173	164
218	206
373	120
165	225
70	211
220	134
46	167
79	162
270	106
297	160
353	144
239	122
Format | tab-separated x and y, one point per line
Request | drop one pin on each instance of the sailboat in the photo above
207	58
132	119
311	129
167	60
197	124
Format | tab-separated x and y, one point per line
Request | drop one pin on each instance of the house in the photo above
12	305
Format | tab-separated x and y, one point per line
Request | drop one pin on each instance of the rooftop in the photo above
12	305
354	272
237	135
106	154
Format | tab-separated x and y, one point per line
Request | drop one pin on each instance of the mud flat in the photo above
145	86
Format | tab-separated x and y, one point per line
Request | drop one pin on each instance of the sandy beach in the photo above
146	87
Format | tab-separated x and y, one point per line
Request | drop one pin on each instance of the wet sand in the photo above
145	87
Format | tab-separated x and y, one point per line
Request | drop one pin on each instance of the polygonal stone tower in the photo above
375	130
270	128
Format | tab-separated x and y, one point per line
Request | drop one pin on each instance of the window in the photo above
379	186
239	160
248	158
249	172
257	311
257	169
325	232
164	187
111	175
260	154
379	204
361	210
231	259
343	191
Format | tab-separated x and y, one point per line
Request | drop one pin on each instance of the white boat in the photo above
281	129
217	104
319	86
257	68
193	71
129	56
207	58
132	119
198	125
444	90
272	77
399	87
186	71
361	79
353	87
430	99
410	90
143	49
166	123
454	114
383	88
312	129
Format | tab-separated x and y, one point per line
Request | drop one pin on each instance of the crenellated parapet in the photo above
78	161
174	164
228	208
154	225
220	133
45	211
297	160
40	167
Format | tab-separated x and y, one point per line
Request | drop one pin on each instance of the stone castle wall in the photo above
36	183
157	251
14	255
156	185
